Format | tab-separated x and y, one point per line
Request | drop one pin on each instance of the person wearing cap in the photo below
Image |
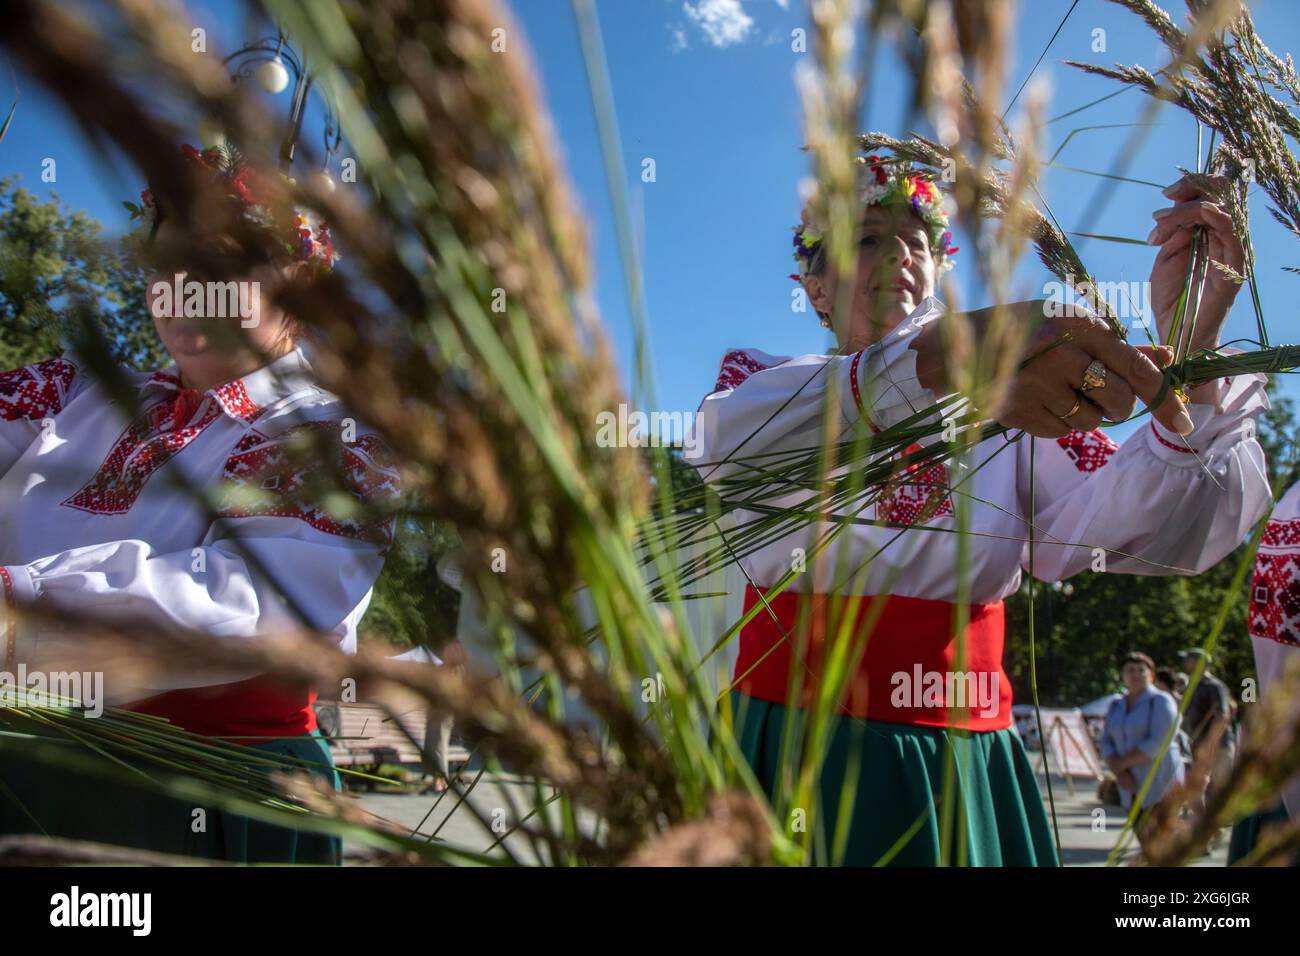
95	517
1208	723
921	740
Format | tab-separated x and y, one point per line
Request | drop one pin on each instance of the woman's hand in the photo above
1044	398
1175	227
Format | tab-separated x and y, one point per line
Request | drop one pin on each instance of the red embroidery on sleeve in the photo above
737	366
280	481
35	391
1168	444
1274	611
1088	450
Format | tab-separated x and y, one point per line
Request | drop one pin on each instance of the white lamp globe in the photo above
272	75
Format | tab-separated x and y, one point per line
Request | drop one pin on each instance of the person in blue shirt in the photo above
1138	727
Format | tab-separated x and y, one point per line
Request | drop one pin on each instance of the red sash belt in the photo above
909	670
258	707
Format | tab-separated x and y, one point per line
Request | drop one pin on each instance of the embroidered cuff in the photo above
1228	417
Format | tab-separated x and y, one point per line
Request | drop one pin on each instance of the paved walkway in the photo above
1087	835
1089	828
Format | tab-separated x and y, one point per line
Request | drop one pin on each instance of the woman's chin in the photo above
895	312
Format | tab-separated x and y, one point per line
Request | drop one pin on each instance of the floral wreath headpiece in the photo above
883	181
305	237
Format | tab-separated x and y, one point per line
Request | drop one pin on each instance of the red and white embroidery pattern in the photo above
915	495
148	443
234	398
35	391
1088	450
737	366
274	468
1281	534
1275	592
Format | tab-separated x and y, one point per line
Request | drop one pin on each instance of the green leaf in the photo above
1125	239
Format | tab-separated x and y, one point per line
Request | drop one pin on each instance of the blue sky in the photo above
705	88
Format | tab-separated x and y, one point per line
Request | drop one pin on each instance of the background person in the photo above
1135	733
1208	722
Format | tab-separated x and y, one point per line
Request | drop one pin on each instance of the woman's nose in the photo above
899	251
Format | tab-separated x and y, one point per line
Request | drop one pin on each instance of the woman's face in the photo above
234	317
1136	676
896	270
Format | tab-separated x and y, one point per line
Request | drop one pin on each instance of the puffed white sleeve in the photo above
29	396
1159	504
765	416
268	564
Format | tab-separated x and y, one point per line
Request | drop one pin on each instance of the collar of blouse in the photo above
287	376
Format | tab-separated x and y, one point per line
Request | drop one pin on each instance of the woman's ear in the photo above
819	293
292	271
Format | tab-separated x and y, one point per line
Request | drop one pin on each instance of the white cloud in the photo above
723	22
679	39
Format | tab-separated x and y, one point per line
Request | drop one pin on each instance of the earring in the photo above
826	323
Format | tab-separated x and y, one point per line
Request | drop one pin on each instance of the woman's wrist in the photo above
931	370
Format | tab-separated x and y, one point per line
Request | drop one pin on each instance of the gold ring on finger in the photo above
1094	376
1078	403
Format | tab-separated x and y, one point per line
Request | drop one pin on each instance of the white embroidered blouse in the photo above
93	517
1158	504
1274	614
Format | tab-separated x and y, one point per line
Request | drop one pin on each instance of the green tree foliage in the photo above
1085	627
411	605
52	257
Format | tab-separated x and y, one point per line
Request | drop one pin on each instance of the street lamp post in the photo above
271	61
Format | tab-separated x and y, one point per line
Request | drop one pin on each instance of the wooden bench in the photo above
363	735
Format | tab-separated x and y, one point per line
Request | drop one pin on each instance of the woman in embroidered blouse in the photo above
1179	495
1274	626
93	519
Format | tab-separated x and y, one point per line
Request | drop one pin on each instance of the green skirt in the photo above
897	776
74	806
